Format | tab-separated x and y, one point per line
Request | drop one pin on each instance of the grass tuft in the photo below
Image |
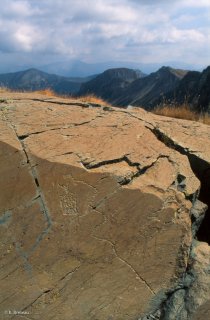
205	118
182	112
4	89
47	92
91	98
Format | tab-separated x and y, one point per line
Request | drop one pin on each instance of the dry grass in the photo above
182	112
91	98
47	92
205	119
4	89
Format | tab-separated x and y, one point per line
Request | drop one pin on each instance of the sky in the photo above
36	32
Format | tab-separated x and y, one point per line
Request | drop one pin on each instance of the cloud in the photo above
147	30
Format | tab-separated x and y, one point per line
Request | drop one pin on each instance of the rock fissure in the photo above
11	272
178	299
126	179
39	196
25	136
69	273
74	103
57	102
48	291
138	118
12	295
92	165
30	304
150	268
201	169
126	263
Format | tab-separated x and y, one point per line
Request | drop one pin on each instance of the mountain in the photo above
77	68
131	88
33	79
194	89
111	84
145	92
123	86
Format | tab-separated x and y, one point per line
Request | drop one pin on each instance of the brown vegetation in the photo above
174	111
4	89
47	92
91	98
182	112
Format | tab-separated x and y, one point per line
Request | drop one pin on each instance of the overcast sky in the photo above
146	31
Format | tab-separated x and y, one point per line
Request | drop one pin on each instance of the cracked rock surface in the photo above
100	211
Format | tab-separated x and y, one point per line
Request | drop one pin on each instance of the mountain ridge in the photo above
34	79
193	89
123	86
141	91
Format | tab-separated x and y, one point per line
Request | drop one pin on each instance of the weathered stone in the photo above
195	288
95	212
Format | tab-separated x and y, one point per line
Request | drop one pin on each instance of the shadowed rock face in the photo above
96	211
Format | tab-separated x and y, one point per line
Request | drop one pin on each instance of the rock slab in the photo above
95	211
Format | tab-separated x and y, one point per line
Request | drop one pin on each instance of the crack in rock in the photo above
126	180
126	263
201	169
39	197
75	103
25	136
178	300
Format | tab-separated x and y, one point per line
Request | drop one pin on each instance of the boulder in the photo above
97	209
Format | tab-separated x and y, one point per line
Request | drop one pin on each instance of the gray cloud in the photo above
147	31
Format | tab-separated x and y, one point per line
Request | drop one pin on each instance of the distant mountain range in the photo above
33	79
78	68
167	85
123	86
141	90
111	84
194	89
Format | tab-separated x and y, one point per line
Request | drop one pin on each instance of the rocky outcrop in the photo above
101	212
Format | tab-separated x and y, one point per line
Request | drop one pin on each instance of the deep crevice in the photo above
125	180
36	182
128	179
204	230
89	165
23	137
201	169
